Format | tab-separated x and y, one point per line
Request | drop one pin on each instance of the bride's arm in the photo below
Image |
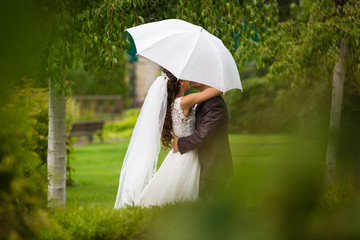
194	98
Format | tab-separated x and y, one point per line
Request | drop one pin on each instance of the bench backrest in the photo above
87	126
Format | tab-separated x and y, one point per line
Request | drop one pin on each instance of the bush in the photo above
274	107
99	223
30	105
122	128
23	175
105	82
255	109
33	103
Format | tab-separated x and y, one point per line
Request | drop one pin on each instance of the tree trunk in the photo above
56	158
335	115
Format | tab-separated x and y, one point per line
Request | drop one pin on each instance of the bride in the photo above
165	112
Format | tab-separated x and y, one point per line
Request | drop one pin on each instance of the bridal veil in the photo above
142	154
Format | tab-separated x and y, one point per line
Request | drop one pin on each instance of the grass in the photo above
97	171
97	167
256	164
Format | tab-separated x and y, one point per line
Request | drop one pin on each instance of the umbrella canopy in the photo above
187	51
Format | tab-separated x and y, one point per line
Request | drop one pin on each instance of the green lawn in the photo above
259	161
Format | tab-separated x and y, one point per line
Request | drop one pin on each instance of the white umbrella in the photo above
187	51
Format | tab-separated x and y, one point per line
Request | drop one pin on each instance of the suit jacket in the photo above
211	138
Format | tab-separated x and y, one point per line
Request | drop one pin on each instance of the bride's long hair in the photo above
173	87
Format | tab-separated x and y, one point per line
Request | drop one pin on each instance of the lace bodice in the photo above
182	126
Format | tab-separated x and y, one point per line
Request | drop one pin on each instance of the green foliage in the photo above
23	181
335	196
69	147
69	158
265	107
102	223
307	48
255	110
32	105
93	31
24	39
300	11
22	176
53	230
109	82
122	128
33	102
272	107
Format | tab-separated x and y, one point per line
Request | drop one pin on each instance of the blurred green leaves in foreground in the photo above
22	175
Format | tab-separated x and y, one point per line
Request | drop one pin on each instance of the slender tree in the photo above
56	159
321	45
335	115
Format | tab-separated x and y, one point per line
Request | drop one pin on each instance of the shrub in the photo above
101	223
255	109
30	106
273	107
23	195
105	82
33	103
122	128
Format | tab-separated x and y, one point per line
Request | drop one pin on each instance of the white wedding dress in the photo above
177	179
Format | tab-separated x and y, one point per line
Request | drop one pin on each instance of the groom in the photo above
211	138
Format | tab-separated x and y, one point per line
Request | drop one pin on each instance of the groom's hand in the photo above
175	144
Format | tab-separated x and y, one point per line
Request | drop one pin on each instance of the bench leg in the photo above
101	138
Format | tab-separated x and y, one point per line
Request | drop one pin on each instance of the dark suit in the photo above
211	138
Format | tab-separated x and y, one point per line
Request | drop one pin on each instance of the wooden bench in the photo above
88	129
